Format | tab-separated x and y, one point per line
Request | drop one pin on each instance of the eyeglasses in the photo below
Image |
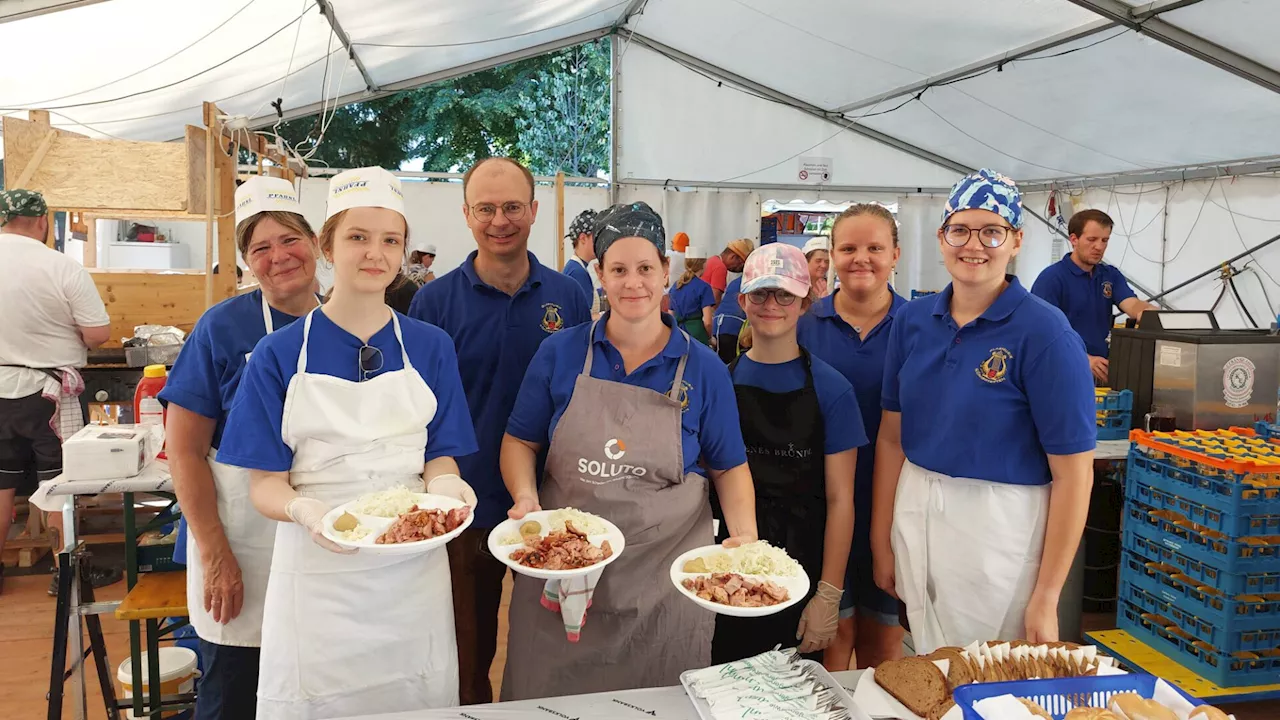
782	297
486	212
370	361
992	236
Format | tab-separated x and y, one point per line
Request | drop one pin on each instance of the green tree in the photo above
515	110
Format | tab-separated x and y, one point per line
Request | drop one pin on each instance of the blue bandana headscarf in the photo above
629	220
986	190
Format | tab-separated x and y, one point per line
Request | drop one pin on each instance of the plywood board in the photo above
196	182
81	173
134	297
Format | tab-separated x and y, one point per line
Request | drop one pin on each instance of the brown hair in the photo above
692	268
871	209
466	177
291	221
1075	227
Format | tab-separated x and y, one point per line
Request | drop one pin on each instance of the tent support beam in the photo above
785	187
782	98
449	74
326	8
633	7
1049	43
1251	166
11	10
1159	7
1187	42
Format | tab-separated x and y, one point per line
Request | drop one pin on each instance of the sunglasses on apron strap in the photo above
370	361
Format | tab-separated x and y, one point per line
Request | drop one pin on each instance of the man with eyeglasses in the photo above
498	306
1085	289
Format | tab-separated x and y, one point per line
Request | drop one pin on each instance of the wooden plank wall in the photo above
145	298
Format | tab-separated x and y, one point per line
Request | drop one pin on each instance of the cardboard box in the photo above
107	452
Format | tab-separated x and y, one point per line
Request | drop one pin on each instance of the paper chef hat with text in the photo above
265	194
364	187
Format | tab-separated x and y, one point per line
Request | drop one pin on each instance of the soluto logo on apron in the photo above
603	472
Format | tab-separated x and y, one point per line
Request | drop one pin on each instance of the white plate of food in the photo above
753	580
397	521
556	538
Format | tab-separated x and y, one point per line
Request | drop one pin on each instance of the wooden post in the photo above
90	241
210	147
52	238
560	219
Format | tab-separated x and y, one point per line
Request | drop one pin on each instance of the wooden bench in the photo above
157	595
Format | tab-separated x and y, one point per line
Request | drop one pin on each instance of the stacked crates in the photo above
1200	568
1114	413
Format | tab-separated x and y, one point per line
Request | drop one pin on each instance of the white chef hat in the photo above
429	249
364	187
265	194
822	242
693	252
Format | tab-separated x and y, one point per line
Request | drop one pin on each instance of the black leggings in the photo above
727	347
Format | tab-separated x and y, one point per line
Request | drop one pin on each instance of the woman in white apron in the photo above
984	460
227	542
353	399
630	405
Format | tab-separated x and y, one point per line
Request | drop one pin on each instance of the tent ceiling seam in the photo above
326	7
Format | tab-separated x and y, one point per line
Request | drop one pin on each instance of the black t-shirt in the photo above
400	294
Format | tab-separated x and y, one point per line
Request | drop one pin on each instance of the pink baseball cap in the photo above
776	265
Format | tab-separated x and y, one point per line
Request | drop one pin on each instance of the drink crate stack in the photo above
1114	413
1200	566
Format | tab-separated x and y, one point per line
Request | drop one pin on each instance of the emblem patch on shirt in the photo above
551	320
685	387
1106	289
995	368
1237	382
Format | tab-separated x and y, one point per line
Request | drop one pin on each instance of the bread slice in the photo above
958	671
915	682
940	709
1035	709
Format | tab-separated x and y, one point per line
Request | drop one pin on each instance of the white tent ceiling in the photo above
901	94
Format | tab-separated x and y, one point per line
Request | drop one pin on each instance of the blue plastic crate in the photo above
1058	696
1214	488
1228	555
1219	668
1226	639
1153	489
1115	425
1115	400
1266	430
1150	543
1243	612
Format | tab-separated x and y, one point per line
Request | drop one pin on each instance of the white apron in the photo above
251	536
966	556
347	635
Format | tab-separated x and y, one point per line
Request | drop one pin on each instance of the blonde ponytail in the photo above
692	269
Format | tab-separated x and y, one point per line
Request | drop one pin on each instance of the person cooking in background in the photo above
227	543
577	265
53	317
850	330
818	254
631	381
729	260
353	399
691	299
801	426
984	462
1085	288
498	307
728	321
420	262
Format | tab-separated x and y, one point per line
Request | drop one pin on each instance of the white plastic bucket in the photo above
178	674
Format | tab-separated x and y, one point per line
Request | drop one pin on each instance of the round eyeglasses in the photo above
486	212
782	297
992	236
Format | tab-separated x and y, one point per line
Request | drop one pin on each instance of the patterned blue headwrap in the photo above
629	220
986	190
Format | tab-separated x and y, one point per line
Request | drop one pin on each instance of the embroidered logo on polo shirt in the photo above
551	320
995	368
685	387
1106	289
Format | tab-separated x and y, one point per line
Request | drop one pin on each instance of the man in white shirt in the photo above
52	315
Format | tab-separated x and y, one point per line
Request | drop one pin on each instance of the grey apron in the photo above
617	453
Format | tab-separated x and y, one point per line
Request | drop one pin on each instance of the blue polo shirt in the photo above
496	336
207	372
710	415
841	421
991	399
861	361
575	269
1085	298
253	439
729	317
688	300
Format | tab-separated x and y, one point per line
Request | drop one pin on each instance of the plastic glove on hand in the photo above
820	618
453	486
309	513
